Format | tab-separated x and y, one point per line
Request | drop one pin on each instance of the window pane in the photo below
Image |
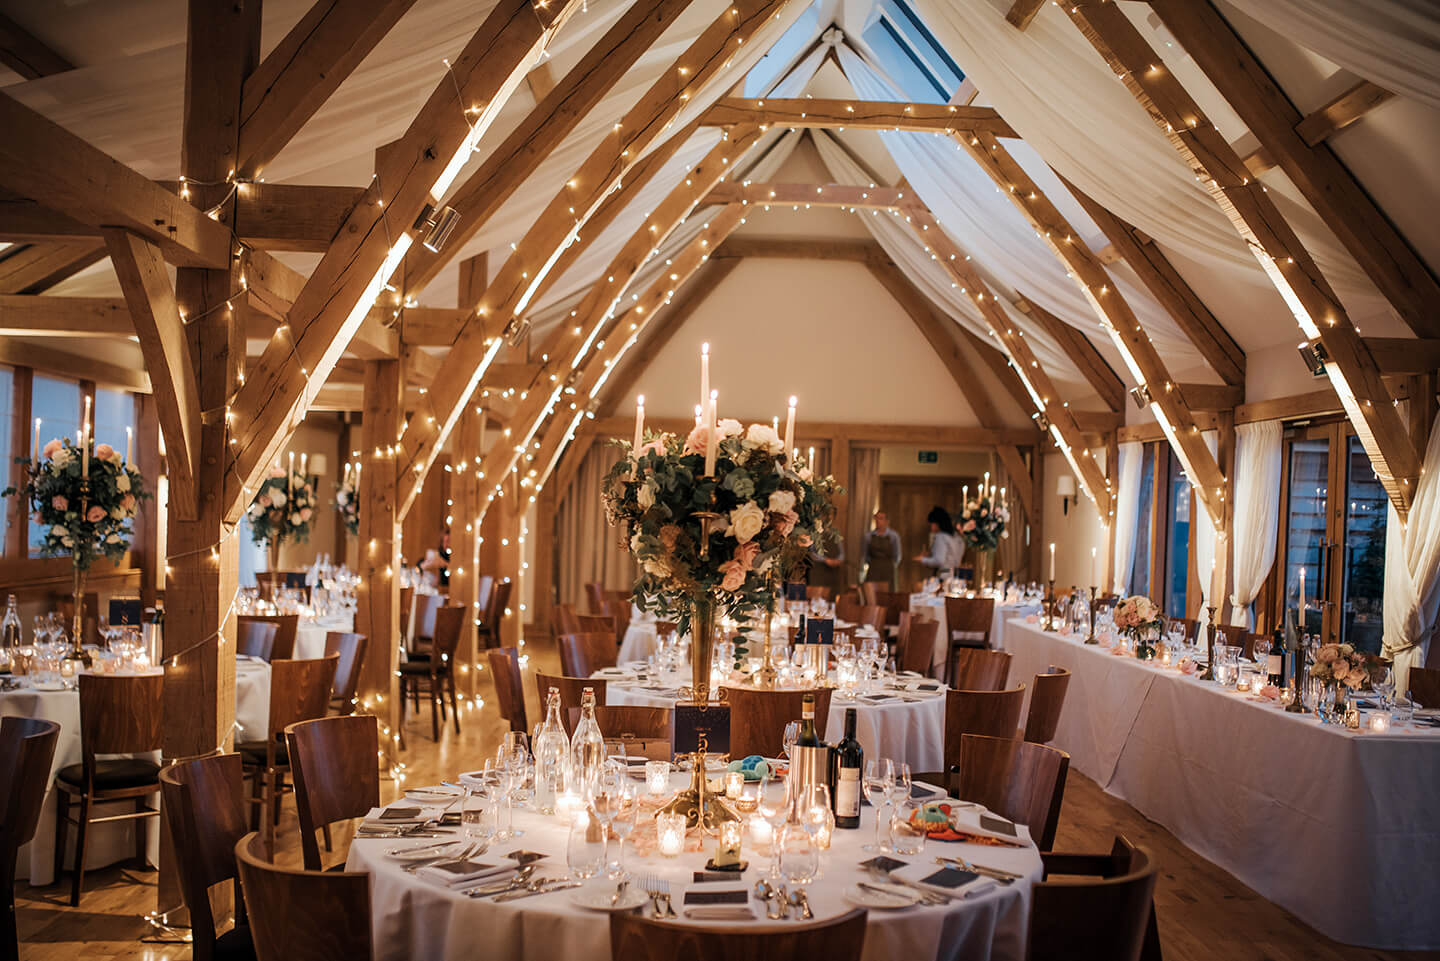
114	411
56	403
1177	567
1309	491
1364	584
9	427
1144	524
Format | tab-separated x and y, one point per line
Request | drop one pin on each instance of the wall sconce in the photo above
437	224
1141	396
517	331
1314	354
1065	487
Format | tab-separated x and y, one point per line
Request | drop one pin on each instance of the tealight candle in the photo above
1165	657
728	851
670	833
67	668
566	803
657	777
734	784
1380	722
761	832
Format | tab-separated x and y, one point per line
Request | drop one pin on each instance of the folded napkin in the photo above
454	874
720	912
396	815
952	881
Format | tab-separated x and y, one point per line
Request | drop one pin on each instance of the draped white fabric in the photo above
1395	43
864	492
587	549
1412	570
1259	448
1204	533
1127	512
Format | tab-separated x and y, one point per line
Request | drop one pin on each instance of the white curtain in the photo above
864	491
1204	534
1255	487
1412	570
1395	43
1127	512
587	548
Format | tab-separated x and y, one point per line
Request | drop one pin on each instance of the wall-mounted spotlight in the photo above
437	223
1065	487
1141	396
518	330
1314	354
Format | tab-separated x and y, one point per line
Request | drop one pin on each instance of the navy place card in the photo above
697	724
795	592
819	630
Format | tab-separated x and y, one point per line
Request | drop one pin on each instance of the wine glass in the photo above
900	784
788	739
1385	688
815	808
522	784
497	778
878	783
607	796
774	807
799	855
623	824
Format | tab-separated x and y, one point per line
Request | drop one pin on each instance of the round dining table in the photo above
902	719
418	918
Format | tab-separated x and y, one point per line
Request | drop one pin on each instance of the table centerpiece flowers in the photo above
347	500
983	524
1140	619
1340	666
281	510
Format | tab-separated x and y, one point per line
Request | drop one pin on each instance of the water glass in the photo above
623	825
799	855
479	814
907	829
879	783
585	850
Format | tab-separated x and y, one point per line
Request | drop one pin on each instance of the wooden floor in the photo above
1205	913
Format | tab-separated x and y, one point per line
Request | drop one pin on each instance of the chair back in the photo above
426	607
895	604
449	624
1111	917
509	689
637	938
595	624
350	648
1017	780
969	620
758	718
27	749
848	608
205	810
286	627
495	612
304	915
565	619
337	775
637	731
571	688
120	715
585	653
484	587
255	638
991	713
1047	697
595	597
817	593
918	651
873	615
867	592
407	604
299	691
981	670
1425	685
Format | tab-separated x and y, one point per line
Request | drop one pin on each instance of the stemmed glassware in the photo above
623	824
788	739
879	783
511	763
606	800
775	809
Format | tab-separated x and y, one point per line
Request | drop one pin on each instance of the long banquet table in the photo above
1335	825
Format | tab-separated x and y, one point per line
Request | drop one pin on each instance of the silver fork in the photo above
468	850
926	895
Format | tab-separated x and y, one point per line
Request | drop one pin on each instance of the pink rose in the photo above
95	515
60	503
698	439
745	555
305	513
734	576
656	446
784	523
127	503
264	500
52	448
104	452
277	471
668	536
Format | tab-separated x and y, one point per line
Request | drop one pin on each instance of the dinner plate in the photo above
48	685
881	896
598	898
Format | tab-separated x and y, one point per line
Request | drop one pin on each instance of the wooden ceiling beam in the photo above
305	68
1325	183
375	238
22	52
811	113
842	196
1001	366
1165	284
1256	218
36	268
1082	353
1322	123
554	116
530	265
29	315
797	248
1211	396
1023	12
1404	355
18	353
39	158
624	427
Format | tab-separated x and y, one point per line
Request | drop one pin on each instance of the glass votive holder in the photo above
657	777
728	849
67	668
734	784
670	833
566	804
1379	722
761	831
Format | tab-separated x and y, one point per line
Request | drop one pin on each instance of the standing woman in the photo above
945	547
880	560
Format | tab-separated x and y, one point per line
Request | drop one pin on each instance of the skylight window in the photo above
909	53
781	57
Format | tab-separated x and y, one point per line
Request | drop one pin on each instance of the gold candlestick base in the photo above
700	807
1209	674
1049	607
1090	637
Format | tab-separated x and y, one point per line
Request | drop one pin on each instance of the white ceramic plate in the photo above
47	685
881	896
598	898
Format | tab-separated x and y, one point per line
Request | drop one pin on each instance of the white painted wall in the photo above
1073	534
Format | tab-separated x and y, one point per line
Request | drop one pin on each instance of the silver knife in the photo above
527	893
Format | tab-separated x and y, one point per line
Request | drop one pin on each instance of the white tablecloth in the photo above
931	607
252	699
904	730
641	640
416	919
310	634
1337	826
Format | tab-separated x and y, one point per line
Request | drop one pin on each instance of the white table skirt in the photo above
641	640
415	919
931	607
1334	825
310	634
910	731
252	699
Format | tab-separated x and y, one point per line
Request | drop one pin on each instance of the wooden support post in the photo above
542	571
377	614
464	560
1037	513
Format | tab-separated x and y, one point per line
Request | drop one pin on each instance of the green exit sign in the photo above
929	456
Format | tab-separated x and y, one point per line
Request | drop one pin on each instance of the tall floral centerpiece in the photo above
347	499
1340	666
84	502
983	522
1139	618
281	510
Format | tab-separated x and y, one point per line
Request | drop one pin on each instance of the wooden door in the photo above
908	501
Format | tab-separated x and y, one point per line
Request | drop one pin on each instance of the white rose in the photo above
646	495
61	458
747	520
117	513
656	566
122	482
782	502
113	539
277	497
59	530
806	474
764	436
295	520
729	427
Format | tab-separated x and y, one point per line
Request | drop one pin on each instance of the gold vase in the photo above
700	807
984	561
77	626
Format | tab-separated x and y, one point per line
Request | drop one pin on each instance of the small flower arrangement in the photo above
282	509
347	502
58	491
1139	618
1341	664
983	523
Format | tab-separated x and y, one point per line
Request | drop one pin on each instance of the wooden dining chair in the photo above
488	632
595	597
1047	697
27	748
637	938
436	672
620	606
286	628
817	593
895	604
407	604
848	608
335	767
991	713
118	715
867	592
918	651
758	718
255	638
571	690
872	615
509	686
633	730
587	652
565	619
1017	780
1425	685
976	670
299	691
1109	917
969	620
205	810
422	638
350	648
300	915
